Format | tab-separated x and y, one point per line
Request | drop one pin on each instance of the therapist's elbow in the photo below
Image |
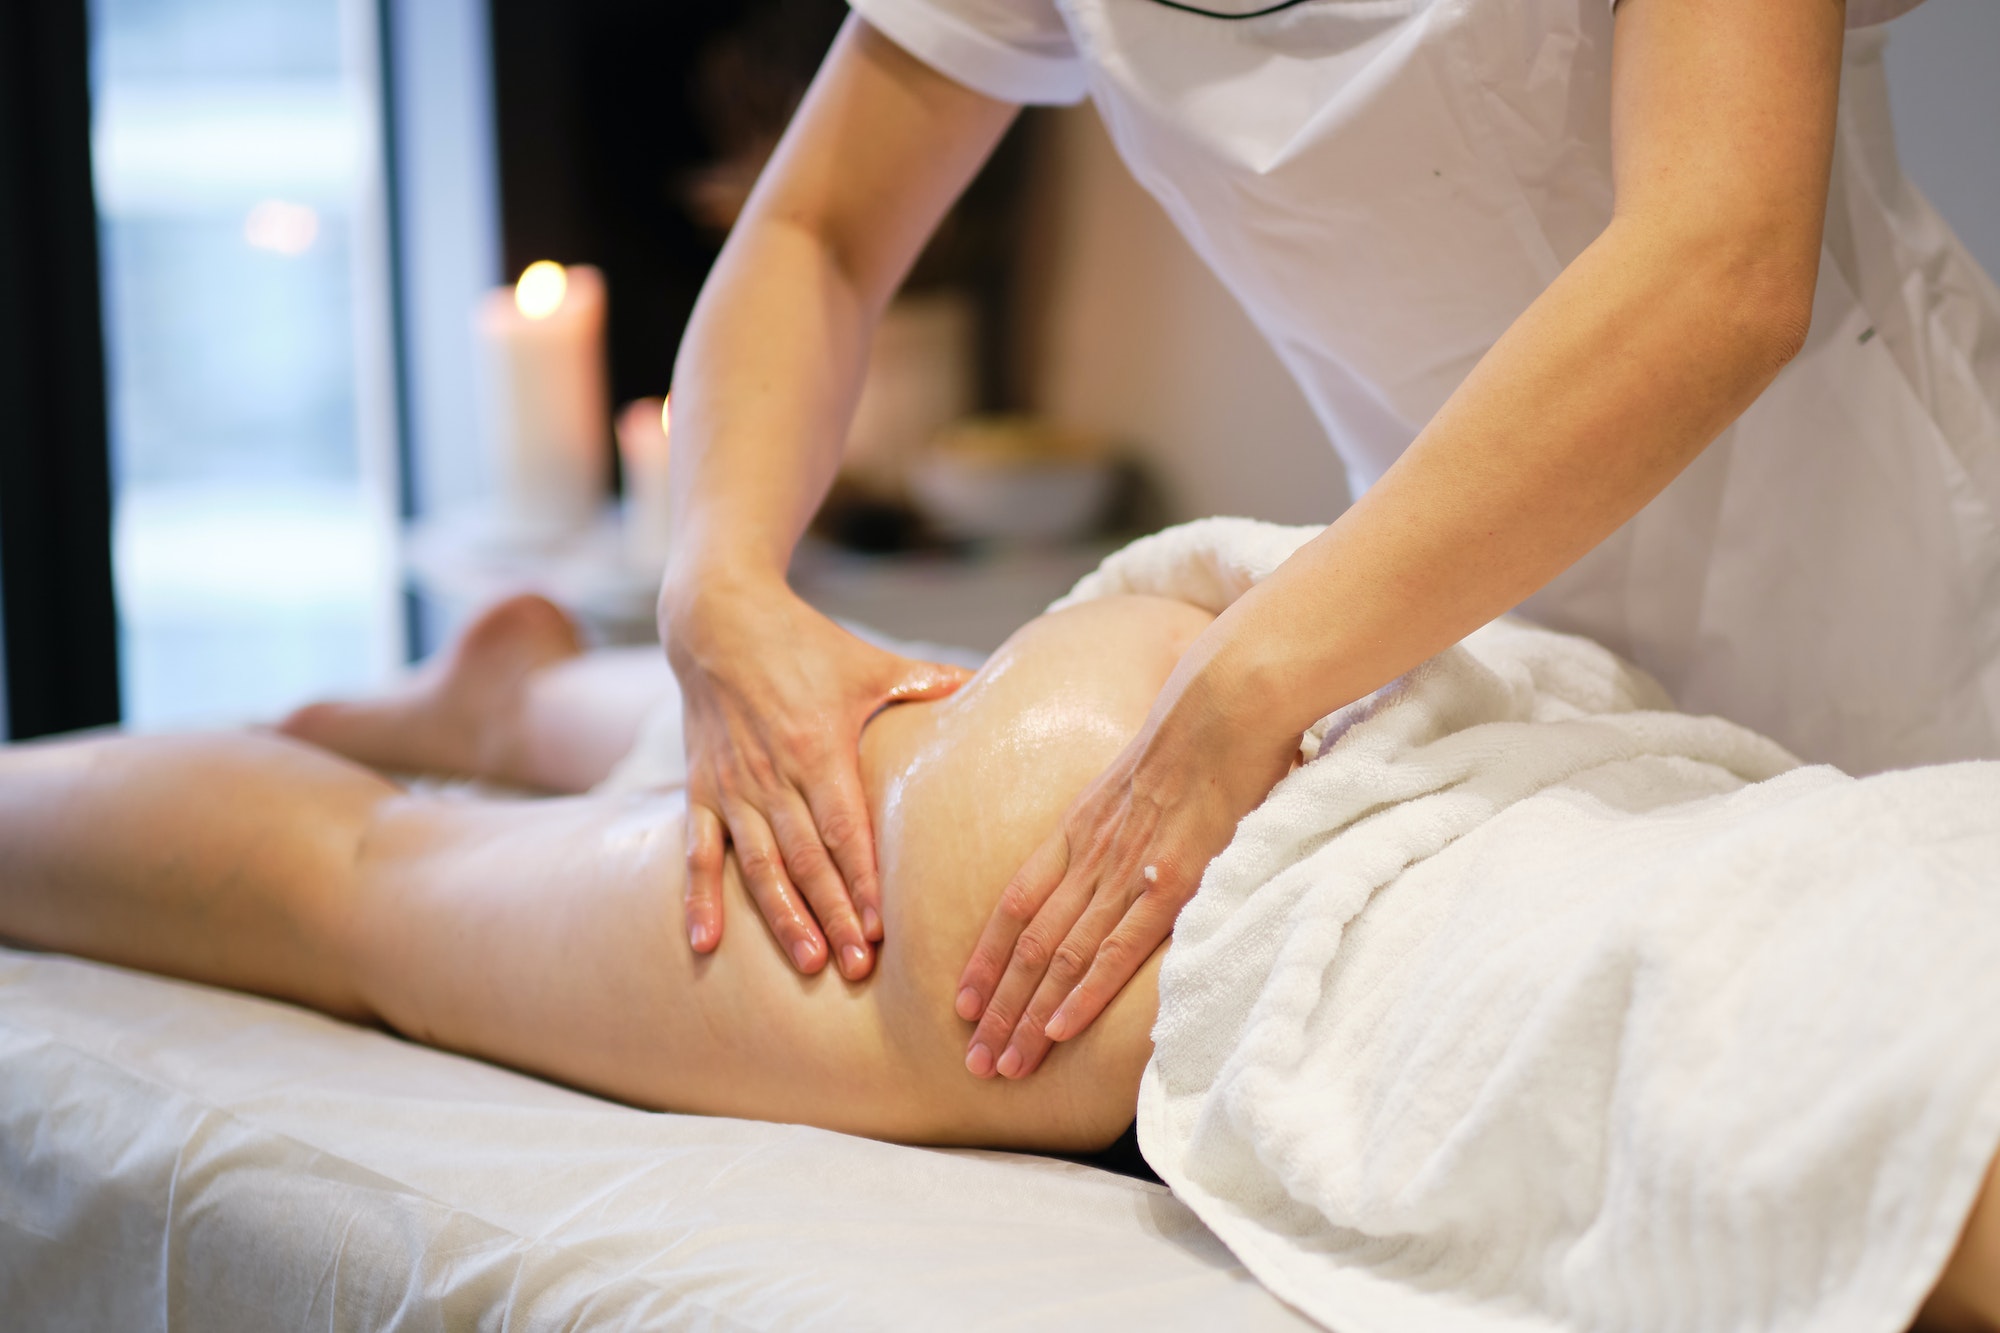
1777	320
1761	297
1745	282
1770	267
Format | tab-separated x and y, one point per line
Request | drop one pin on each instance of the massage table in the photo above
173	1155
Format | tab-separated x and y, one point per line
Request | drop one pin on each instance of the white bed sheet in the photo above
177	1156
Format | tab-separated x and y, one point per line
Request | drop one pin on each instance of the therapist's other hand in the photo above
774	698
1090	906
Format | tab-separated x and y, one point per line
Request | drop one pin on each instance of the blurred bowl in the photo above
1014	480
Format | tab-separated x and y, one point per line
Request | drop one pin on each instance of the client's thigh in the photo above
549	935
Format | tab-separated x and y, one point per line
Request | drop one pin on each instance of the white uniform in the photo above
1387	184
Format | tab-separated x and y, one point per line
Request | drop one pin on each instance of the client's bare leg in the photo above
514	700
229	859
548	934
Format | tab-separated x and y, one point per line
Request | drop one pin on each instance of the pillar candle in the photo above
543	341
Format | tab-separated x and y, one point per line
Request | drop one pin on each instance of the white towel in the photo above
1530	1005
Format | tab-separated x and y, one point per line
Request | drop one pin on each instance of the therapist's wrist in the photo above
1221	722
1266	678
702	580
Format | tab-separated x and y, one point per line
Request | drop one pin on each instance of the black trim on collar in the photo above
1229	18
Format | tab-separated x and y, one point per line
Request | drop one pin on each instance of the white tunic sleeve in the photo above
1013	50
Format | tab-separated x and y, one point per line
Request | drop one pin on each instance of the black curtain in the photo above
56	607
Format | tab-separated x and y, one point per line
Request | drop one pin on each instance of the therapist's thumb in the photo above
923	680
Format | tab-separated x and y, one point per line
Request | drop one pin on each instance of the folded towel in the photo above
1532	1005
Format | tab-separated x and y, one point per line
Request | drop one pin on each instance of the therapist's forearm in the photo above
772	361
764	385
1644	350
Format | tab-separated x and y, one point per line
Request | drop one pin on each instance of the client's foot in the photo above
460	712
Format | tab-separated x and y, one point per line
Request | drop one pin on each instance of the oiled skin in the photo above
548	935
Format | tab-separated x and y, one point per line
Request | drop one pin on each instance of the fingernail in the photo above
802	954
967	1004
698	937
1010	1063
871	923
979	1060
853	960
1056	1026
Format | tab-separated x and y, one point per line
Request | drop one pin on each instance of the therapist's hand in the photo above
774	699
1091	905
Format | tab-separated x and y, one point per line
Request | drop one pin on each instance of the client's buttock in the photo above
549	934
962	792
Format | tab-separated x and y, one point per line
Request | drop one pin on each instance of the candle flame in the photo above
541	289
667	415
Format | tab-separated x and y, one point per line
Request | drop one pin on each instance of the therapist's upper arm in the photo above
879	149
1722	129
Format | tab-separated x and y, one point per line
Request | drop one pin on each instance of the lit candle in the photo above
544	345
645	428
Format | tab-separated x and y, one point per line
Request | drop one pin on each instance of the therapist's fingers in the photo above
703	894
838	808
1144	927
1027	968
1029	1042
763	870
811	870
1106	905
1019	902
